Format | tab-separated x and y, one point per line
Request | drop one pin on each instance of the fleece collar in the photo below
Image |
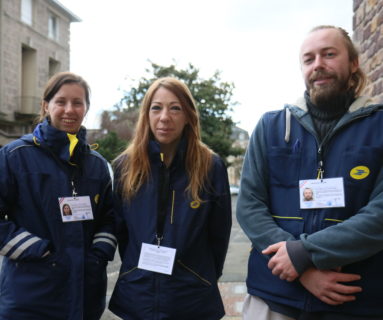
361	106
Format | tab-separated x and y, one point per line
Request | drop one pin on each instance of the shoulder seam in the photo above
18	147
96	154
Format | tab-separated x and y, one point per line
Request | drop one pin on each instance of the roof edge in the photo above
63	9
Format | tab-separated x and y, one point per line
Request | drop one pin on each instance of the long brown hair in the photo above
134	166
358	78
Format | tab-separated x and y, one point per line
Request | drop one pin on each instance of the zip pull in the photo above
162	157
320	171
74	193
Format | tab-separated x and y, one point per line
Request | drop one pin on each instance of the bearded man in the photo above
322	261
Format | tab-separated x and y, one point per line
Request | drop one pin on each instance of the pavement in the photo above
231	284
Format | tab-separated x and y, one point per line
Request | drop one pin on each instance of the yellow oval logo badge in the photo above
359	172
96	198
195	204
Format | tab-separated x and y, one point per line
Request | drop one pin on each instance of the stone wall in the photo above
368	35
15	34
43	52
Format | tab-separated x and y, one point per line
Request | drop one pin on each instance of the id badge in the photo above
75	209
157	258
321	193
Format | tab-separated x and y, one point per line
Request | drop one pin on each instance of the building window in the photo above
26	11
29	101
53	27
54	67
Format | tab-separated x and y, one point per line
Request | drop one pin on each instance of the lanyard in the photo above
70	173
163	196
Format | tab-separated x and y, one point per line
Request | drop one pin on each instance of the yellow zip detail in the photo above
127	272
195	273
335	220
172	212
162	157
280	217
94	146
35	141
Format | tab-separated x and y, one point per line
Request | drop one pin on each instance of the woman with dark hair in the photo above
173	201
67	211
55	268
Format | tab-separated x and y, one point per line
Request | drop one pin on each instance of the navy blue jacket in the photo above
70	282
285	150
200	233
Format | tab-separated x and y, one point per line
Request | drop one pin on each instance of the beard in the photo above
325	94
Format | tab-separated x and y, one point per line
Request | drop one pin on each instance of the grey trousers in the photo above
255	308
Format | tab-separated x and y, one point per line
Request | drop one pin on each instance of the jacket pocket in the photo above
133	290
195	274
94	287
284	166
125	274
328	222
37	285
293	225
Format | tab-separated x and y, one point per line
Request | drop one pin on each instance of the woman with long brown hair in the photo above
173	201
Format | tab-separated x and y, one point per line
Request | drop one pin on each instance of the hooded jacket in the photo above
51	269
284	149
199	231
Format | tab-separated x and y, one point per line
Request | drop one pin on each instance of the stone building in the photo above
241	140
34	44
368	34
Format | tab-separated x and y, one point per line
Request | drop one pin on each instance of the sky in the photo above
253	43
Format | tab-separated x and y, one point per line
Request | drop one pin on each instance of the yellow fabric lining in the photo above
72	142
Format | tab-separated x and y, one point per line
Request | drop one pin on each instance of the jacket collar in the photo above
362	106
155	150
359	103
66	147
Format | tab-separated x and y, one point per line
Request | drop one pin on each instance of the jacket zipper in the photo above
320	155
327	138
172	209
156	296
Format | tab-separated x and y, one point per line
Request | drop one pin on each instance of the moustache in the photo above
321	74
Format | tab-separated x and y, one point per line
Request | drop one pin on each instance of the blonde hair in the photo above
133	163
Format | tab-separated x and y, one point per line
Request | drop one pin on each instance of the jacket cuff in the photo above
25	246
105	243
299	256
